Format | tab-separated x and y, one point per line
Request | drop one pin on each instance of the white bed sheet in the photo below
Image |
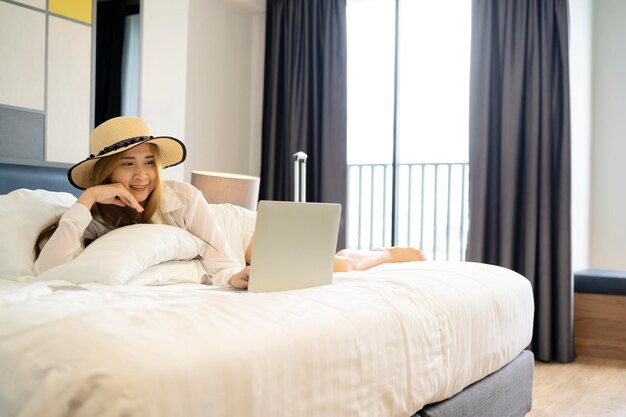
383	342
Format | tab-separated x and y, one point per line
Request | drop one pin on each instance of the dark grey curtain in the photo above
520	156
305	100
110	28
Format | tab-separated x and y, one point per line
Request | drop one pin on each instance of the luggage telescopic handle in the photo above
299	177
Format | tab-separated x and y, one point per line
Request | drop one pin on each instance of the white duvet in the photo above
383	342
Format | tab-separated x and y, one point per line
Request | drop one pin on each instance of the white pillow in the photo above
123	253
171	272
23	214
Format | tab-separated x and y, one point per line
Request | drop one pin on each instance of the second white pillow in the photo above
121	254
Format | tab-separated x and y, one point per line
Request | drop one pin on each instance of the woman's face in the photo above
136	171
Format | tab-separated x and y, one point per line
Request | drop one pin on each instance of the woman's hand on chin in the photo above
115	194
240	279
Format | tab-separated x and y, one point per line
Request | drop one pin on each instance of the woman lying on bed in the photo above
123	185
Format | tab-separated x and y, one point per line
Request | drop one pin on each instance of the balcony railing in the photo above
432	207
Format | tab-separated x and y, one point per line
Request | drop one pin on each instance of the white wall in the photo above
164	69
580	82
608	189
202	79
224	86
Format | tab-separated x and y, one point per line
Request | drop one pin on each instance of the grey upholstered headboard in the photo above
47	176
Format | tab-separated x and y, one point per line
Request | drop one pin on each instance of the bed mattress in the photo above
383	342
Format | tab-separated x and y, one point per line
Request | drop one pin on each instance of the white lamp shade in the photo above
222	187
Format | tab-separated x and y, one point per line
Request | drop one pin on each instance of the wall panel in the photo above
23	52
40	4
74	9
21	134
69	90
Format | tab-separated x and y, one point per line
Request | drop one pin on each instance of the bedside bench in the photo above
600	313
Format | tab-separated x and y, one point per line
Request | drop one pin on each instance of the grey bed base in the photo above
505	393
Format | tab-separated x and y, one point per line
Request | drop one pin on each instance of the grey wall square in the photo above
21	134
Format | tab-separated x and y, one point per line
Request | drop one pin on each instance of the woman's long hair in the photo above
115	216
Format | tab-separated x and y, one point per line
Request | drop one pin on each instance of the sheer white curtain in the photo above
130	67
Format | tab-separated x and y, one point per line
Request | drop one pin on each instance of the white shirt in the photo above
182	205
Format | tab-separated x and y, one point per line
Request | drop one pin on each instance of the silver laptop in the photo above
294	245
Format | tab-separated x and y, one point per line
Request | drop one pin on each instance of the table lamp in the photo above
222	187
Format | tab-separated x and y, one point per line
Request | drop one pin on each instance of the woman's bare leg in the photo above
360	260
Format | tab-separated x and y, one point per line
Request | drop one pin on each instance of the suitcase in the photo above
299	177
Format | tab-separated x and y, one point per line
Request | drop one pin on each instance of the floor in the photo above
587	387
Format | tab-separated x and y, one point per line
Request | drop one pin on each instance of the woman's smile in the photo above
139	188
136	171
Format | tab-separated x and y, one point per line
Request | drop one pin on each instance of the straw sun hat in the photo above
118	135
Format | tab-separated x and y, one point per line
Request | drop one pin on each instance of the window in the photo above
408	124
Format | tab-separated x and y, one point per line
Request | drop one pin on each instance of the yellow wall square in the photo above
75	9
